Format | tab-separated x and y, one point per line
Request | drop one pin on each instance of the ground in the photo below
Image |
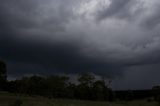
7	99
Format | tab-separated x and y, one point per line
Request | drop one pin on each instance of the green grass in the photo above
7	99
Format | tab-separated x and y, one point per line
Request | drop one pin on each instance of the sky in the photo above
116	39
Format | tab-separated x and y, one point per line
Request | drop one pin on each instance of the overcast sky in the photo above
117	39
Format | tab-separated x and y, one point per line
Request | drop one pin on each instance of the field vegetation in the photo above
8	99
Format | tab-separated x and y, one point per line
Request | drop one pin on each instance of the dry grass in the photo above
6	99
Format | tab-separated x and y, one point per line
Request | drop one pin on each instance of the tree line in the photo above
60	86
88	88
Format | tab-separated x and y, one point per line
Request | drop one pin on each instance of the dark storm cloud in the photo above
117	7
63	36
62	57
20	15
153	20
139	77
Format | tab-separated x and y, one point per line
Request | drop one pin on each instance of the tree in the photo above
102	92
3	75
71	90
84	89
156	93
129	95
57	85
99	90
86	79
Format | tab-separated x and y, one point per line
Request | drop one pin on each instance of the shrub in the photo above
17	102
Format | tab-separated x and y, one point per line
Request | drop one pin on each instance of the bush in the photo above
150	100
17	102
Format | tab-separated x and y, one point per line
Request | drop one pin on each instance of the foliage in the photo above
17	102
3	75
60	87
156	93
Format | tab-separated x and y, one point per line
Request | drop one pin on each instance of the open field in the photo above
7	99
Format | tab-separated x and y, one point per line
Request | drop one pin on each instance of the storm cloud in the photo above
105	37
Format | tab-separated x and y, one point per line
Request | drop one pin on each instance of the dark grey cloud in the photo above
133	10
55	56
117	7
61	57
153	19
139	77
57	36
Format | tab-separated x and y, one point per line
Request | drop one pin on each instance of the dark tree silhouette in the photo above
86	79
156	93
88	88
3	75
84	89
99	89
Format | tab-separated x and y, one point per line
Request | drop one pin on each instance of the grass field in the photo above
7	99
